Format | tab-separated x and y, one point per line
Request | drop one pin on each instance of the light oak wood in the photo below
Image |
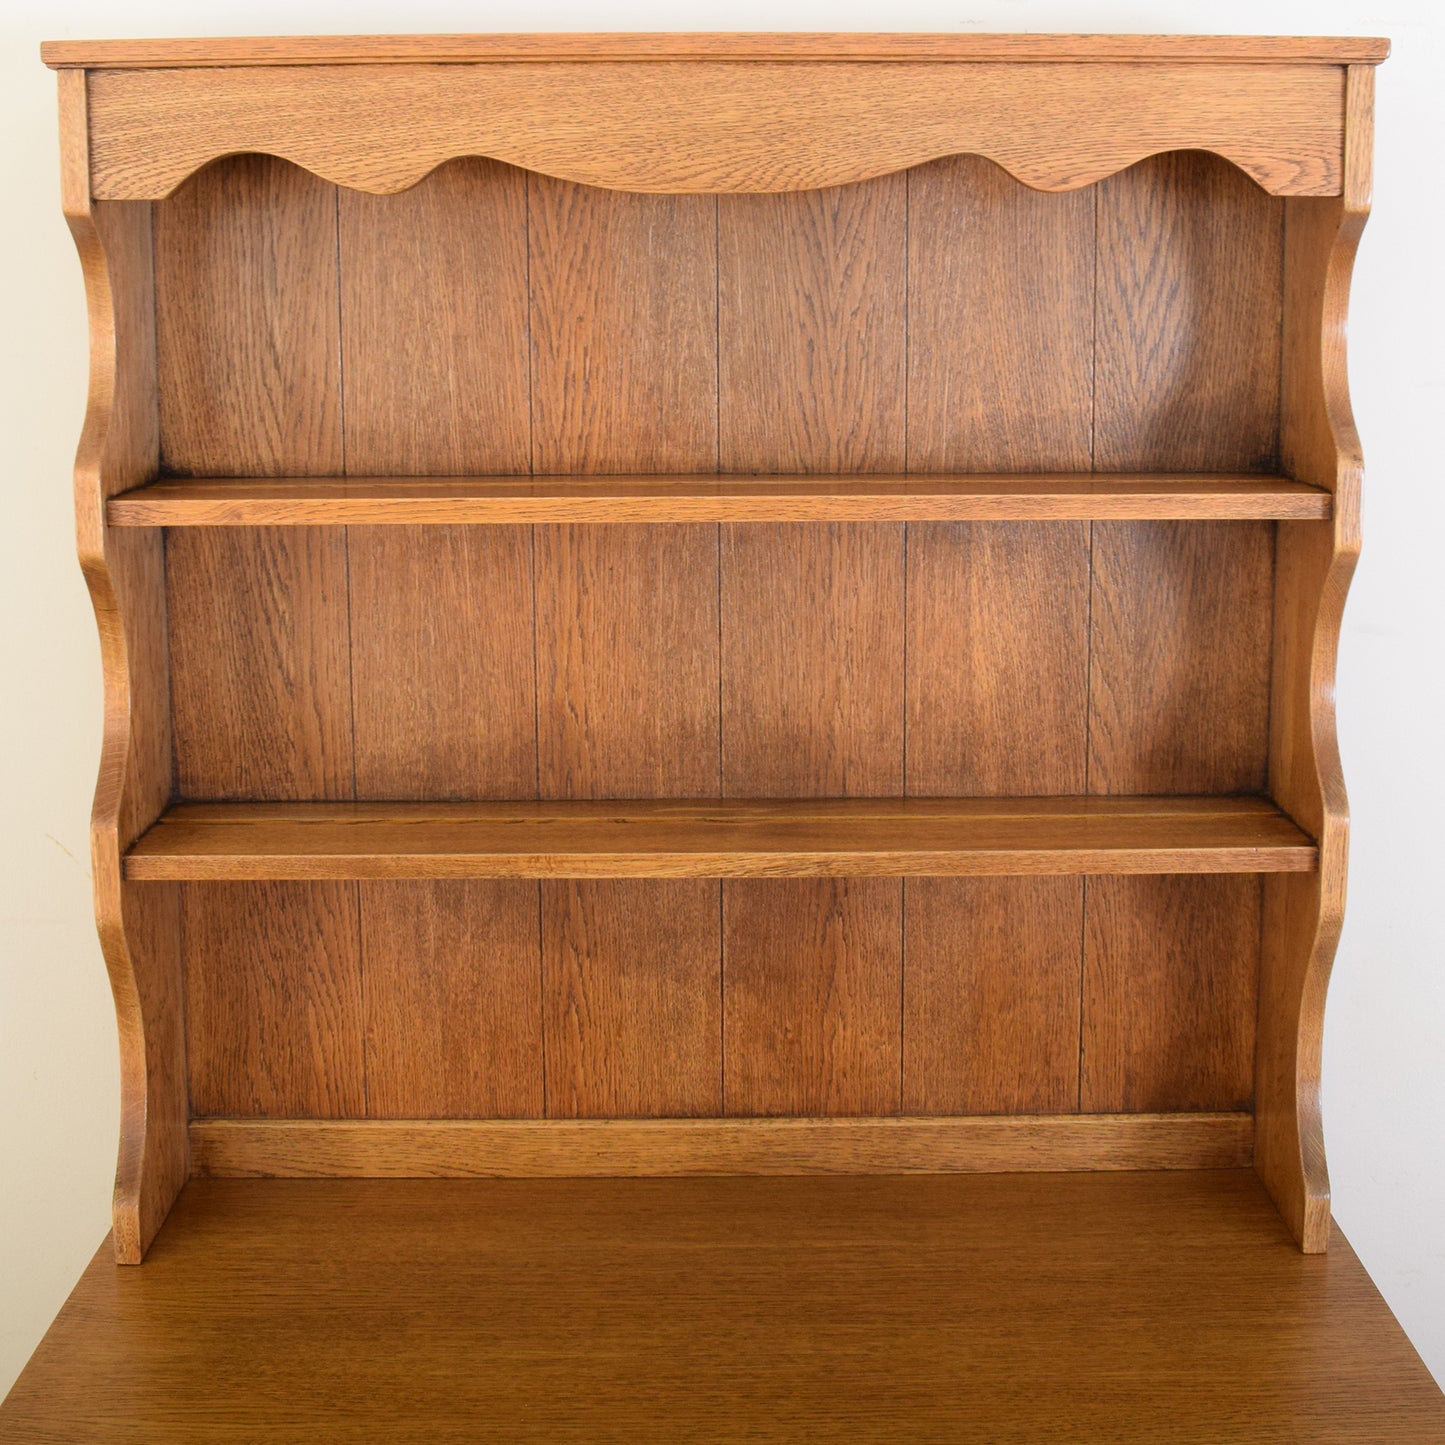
1318	440
119	447
716	126
507	1148
310	501
880	468
978	1037
973	1309
880	46
886	837
632	994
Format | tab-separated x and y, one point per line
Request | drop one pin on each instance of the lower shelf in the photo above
1017	1307
892	837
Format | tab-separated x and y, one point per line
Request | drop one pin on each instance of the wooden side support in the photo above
139	928
1315	560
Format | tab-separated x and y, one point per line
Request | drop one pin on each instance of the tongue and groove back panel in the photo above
494	321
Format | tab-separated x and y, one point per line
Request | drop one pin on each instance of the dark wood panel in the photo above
247	343
453	1000
1171	975
273	999
624	334
997	659
1000	322
811	313
632	998
1189	306
627	644
260	678
442	662
991	986
812	987
812	660
434	324
1180	656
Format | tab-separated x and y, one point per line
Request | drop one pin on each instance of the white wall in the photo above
1385	1034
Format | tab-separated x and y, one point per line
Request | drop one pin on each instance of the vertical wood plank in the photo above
812	660
434	324
997	653
1171	976
627	640
453	1000
812	975
1000	322
1180	637
442	662
624	336
1189	304
260	678
811	306
247	340
991	995
632	998
273	1000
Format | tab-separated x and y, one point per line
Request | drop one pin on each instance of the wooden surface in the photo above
570	1147
119	447
303	501
713	126
821	838
1314	567
1124	1307
777	45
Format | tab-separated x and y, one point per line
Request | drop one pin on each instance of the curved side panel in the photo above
709	126
1303	915
138	927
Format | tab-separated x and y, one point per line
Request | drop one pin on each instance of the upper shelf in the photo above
804	838
305	501
782	45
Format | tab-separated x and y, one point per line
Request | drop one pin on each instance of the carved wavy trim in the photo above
117	449
1319	444
716	127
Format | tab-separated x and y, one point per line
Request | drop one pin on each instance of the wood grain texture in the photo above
632	999
274	1000
997	658
967	1309
715	126
1000	376
434	324
627	646
812	976
812	661
673	1148
1302	925
442	662
138	928
915	837
674	45
302	501
260	676
247	338
991	989
1188	284
1179	673
1171	968
453	1006
812	318
624	336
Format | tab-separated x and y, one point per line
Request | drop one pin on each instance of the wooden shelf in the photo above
304	501
1128	1307
709	839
